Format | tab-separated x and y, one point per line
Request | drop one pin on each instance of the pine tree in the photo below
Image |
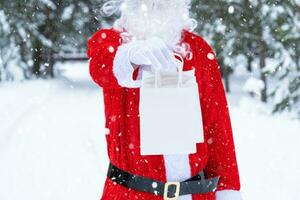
42	29
286	30
211	16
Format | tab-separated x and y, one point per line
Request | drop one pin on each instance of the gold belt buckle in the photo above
166	189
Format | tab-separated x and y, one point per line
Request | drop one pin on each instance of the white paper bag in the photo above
170	114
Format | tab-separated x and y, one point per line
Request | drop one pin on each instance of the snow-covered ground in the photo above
52	144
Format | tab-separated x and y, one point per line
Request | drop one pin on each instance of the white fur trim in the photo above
123	69
228	195
178	169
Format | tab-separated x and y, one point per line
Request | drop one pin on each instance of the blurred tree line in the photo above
261	36
38	30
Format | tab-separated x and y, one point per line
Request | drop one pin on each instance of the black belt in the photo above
169	190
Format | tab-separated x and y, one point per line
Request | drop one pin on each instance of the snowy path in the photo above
52	144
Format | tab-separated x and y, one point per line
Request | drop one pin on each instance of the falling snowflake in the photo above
231	9
111	49
107	131
210	56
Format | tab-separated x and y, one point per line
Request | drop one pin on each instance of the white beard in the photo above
143	19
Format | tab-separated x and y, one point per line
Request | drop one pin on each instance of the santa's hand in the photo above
136	53
151	54
158	54
123	65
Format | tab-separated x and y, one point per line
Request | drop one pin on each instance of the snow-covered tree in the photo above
286	31
212	17
9	52
266	34
42	29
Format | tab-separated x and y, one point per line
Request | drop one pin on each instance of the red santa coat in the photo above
216	155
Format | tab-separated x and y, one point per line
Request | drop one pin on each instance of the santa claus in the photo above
145	38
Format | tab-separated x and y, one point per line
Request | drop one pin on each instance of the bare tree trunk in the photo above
227	83
37	58
249	63
262	59
263	75
225	71
226	75
49	65
297	58
51	68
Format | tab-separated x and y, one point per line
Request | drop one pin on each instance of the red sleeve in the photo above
102	47
218	131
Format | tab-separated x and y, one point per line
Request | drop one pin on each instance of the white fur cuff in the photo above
228	195
123	69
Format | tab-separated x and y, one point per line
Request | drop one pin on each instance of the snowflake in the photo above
107	131
231	9
130	146
154	185
103	35
210	56
111	49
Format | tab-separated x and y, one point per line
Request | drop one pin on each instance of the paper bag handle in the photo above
180	69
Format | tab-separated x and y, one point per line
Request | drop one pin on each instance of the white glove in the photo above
154	52
228	195
151	55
